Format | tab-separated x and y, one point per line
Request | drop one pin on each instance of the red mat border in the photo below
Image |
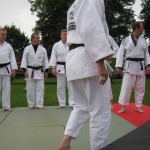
132	115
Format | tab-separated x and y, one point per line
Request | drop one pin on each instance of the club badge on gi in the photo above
71	15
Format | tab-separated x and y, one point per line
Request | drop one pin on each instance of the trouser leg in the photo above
30	92
110	90
61	89
100	114
80	113
92	100
70	95
5	88
126	88
139	90
39	93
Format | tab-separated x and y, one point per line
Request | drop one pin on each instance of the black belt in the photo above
35	68
137	59
5	65
73	46
61	63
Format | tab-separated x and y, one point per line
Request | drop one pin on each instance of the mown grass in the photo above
18	95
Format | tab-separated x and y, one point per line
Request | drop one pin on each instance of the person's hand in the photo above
13	73
26	75
118	69
46	75
54	71
148	69
102	72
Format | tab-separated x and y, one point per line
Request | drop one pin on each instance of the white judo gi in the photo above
35	80
110	71
58	60
7	63
114	46
86	25
133	60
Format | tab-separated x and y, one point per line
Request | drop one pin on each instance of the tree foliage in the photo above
119	16
145	15
17	39
52	18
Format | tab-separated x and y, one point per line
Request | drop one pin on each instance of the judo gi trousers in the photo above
92	101
129	82
35	92
5	91
110	89
61	90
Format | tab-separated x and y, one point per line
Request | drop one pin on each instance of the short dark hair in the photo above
64	30
136	25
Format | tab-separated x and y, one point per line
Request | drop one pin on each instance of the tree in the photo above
145	15
119	16
17	39
52	19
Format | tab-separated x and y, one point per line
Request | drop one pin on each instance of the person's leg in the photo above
39	93
65	143
61	90
30	93
78	116
90	97
5	92
126	89
100	113
110	93
70	95
139	90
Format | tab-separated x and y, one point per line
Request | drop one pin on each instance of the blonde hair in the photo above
33	34
64	30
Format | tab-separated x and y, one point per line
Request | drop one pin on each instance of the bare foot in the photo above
8	109
32	107
140	110
65	143
59	107
64	147
122	110
41	108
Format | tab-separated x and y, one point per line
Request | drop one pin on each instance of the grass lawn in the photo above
18	95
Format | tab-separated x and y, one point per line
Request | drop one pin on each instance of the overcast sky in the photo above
18	12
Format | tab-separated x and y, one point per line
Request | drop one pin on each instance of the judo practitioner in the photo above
86	71
110	72
35	66
8	68
58	65
133	58
114	46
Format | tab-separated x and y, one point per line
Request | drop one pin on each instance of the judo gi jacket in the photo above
7	59
58	57
38	60
85	28
128	54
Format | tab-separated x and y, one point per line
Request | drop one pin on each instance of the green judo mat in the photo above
24	129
